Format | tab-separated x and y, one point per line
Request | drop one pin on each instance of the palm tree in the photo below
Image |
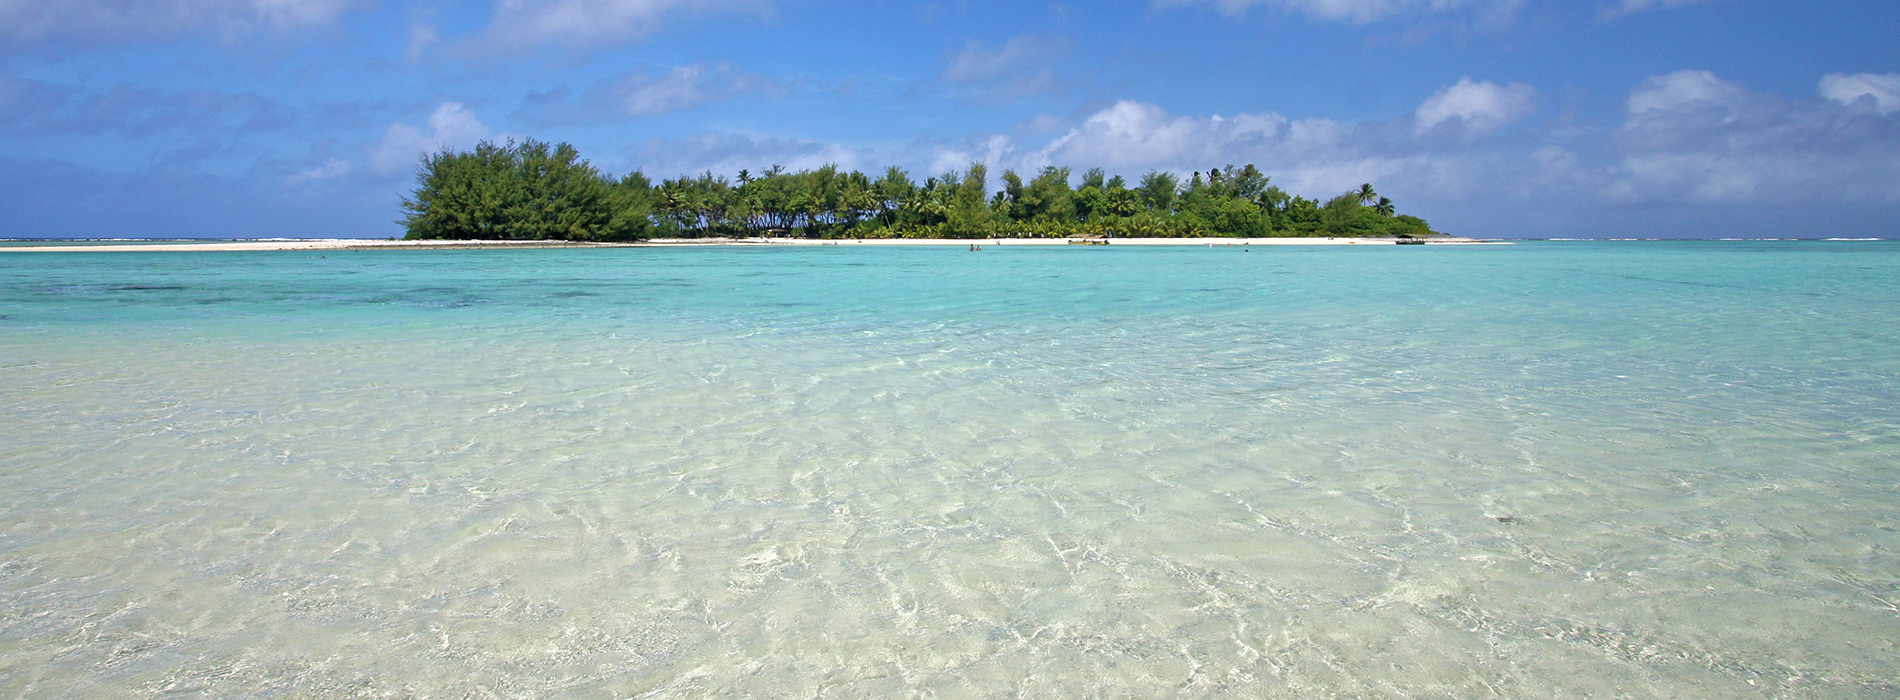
1365	194
1384	207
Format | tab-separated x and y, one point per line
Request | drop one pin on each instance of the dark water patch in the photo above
425	301
436	293
1712	285
460	302
95	289
572	293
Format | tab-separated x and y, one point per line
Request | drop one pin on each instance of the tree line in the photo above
533	190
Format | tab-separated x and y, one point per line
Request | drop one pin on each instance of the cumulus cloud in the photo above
993	149
110	21
1689	141
1133	134
450	126
1478	107
1320	157
1875	92
645	93
727	154
1357	11
1691	149
1016	70
1693	137
597	22
1682	89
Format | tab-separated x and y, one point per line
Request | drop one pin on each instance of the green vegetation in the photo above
534	191
525	191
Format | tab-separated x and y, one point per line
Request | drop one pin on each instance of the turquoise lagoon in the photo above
1544	470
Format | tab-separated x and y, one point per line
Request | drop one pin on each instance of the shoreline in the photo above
328	244
1208	242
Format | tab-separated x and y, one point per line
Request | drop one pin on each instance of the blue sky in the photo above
1595	118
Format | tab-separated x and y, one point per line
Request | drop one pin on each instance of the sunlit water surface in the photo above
1543	470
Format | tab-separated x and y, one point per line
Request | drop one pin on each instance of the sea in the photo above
1583	469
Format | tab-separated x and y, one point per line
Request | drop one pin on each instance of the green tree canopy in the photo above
520	191
534	190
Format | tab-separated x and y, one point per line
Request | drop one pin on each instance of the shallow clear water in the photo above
1543	470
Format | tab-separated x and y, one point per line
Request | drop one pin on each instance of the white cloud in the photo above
421	38
1013	71
991	151
1627	7
1690	142
1692	151
108	21
1133	134
450	126
1357	11
644	93
1682	89
1692	137
977	62
1043	124
328	169
679	88
597	22
1479	107
727	154
1878	92
1319	157
1703	178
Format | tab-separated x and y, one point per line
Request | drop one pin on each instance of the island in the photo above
536	191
